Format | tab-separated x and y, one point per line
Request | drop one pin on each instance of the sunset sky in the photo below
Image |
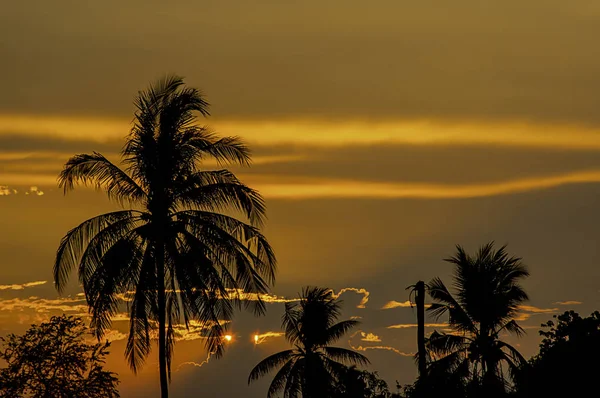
383	134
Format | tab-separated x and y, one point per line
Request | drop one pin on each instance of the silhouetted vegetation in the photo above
313	367
53	360
567	364
356	383
181	258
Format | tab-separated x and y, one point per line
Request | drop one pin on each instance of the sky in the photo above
384	133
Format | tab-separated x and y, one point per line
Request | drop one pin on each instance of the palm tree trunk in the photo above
162	335
420	301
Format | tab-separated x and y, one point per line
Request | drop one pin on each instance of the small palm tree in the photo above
174	253
311	367
488	293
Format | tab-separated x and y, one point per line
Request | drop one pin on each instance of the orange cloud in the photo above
45	305
364	292
370	337
262	337
330	188
381	347
196	364
22	285
396	304
527	311
5	190
414	325
319	132
568	302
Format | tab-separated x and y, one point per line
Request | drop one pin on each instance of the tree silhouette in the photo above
488	293
175	252
565	365
311	368
356	383
53	360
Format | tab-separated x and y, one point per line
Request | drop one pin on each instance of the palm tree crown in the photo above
488	293
311	367
173	254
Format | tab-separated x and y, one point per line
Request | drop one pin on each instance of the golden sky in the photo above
383	133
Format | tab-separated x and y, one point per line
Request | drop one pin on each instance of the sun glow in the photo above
228	337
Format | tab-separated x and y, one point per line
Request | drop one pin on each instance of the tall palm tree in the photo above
173	252
488	293
311	367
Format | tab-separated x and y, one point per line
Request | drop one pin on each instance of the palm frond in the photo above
441	344
98	171
225	195
512	327
143	307
226	150
268	364
345	356
336	331
458	318
280	379
295	379
74	243
115	274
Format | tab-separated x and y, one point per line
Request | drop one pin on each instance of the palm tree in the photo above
419	291
173	253
488	293
311	367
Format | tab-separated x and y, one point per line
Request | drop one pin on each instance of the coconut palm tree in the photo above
172	253
484	306
418	289
312	366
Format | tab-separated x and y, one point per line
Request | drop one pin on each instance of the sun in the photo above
255	339
228	337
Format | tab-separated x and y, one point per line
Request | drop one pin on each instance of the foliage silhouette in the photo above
355	383
174	251
566	365
488	293
312	367
53	360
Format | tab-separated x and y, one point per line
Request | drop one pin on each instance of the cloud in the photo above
381	347
33	190
527	311
414	325
5	191
365	189
537	310
262	337
364	292
42	305
195	331
195	364
22	285
568	302
396	304
114	335
370	337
